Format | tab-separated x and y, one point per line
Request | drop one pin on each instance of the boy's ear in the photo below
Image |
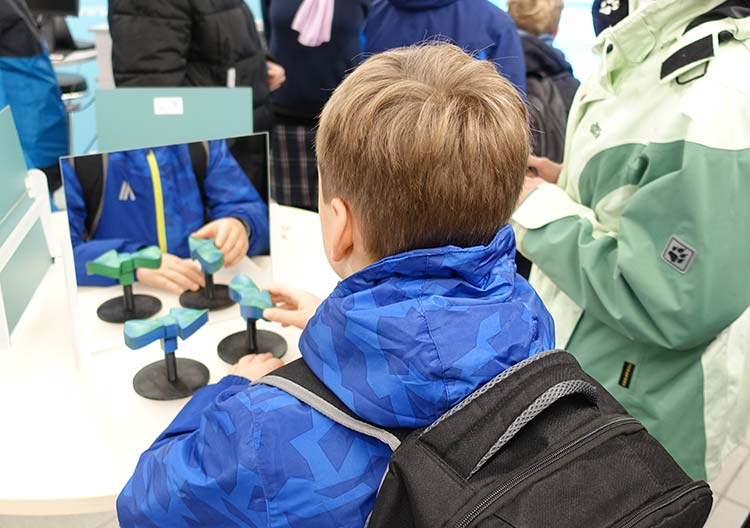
342	234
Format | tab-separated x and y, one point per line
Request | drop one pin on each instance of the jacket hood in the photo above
408	337
541	58
420	5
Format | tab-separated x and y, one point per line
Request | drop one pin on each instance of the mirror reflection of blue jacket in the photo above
477	26
137	200
400	342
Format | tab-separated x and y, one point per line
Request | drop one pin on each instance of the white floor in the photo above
731	502
732	491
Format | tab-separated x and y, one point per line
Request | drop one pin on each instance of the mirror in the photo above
163	227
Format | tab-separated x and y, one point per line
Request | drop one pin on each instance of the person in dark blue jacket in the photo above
28	84
153	197
477	26
429	309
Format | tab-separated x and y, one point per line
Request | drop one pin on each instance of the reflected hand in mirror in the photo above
230	236
160	196
175	275
294	307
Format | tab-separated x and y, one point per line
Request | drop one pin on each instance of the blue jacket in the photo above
129	221
400	342
29	85
477	26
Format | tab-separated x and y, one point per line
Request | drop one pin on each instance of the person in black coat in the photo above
195	43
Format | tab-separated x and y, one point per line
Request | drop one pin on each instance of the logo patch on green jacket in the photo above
678	254
627	374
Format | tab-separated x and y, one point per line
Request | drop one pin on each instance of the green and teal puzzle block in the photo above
210	258
122	266
252	300
180	322
172	378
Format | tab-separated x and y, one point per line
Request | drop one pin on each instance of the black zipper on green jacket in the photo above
538	466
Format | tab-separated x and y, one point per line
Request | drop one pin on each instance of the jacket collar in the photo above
652	25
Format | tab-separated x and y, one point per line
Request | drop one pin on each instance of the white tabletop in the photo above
72	57
72	433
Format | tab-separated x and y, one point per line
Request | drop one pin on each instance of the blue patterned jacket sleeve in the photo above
202	470
230	193
85	251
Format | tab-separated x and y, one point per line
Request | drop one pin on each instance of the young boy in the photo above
422	153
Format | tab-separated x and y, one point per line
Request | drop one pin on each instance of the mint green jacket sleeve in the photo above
609	250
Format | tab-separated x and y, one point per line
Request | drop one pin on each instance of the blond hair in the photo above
536	16
427	145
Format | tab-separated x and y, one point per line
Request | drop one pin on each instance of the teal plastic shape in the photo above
14	198
180	322
207	254
122	266
252	300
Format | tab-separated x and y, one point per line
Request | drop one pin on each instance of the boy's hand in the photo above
545	168
293	307
230	236
276	75
255	366
175	275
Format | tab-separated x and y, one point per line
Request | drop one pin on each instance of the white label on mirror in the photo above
168	106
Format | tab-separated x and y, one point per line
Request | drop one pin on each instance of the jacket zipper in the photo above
538	466
659	505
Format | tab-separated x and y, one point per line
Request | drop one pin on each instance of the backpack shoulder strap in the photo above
91	172
299	381
199	158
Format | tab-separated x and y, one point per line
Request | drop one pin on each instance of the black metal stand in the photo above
212	297
251	341
129	306
160	380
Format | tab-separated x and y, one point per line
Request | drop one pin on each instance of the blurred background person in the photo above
28	84
550	84
317	42
196	43
477	26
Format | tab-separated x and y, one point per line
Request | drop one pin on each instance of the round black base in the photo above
200	301
113	311
235	346
152	382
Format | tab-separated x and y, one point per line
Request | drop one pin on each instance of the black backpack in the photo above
91	172
541	445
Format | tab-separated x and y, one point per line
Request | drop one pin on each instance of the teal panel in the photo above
12	218
12	165
128	118
23	273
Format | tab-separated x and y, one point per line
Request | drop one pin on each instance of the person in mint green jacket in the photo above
641	240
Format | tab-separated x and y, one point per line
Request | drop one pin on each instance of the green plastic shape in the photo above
204	250
122	266
180	322
252	300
